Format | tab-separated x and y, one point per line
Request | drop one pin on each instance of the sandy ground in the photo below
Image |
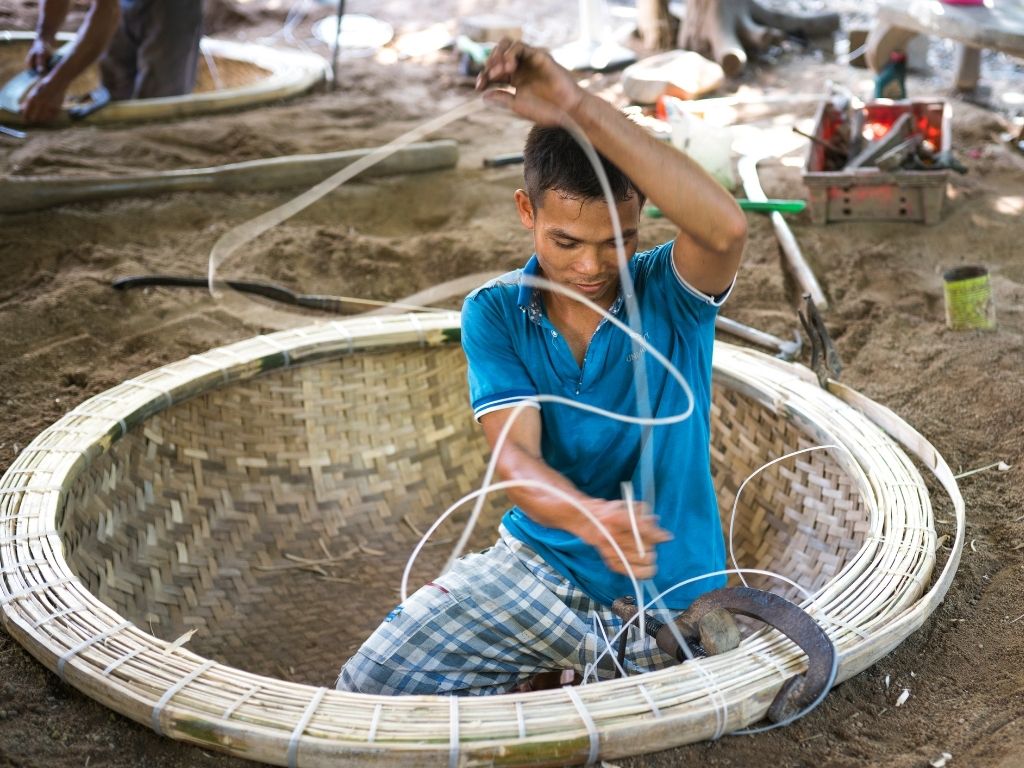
65	335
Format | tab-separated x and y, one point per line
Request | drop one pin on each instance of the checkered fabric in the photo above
497	618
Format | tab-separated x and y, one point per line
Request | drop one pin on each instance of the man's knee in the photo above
357	677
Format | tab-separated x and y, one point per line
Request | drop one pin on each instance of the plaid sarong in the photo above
496	618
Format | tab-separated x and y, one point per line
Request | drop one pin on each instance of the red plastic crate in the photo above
871	194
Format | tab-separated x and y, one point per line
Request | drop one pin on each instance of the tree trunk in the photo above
726	30
654	24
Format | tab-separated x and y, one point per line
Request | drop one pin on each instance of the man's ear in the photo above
525	209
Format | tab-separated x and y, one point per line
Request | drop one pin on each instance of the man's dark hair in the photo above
554	160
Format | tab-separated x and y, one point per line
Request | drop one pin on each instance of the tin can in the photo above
969	304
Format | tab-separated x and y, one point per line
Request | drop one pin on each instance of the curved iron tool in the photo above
792	621
798	691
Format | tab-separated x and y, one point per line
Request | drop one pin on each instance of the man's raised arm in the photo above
712	228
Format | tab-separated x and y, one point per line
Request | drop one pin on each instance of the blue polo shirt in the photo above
515	352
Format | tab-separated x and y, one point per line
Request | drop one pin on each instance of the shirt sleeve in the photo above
498	377
663	282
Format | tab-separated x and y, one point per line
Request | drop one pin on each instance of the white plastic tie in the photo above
277	345
453	731
374	722
27	536
588	721
152	388
88	644
769	660
57	615
213	366
293	742
420	333
118	662
345	333
170	693
30	489
11	597
19	565
650	700
230	710
521	719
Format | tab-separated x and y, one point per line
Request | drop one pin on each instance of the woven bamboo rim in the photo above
883	589
286	73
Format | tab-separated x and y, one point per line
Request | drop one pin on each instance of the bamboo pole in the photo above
33	193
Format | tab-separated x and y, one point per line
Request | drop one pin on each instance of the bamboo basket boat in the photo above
267	493
230	75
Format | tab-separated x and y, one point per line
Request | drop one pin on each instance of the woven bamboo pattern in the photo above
189	497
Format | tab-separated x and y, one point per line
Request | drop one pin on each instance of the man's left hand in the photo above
44	102
544	91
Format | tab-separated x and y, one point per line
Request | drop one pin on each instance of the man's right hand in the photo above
39	56
616	519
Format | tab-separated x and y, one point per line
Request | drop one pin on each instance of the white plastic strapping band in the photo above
588	721
453	732
88	644
170	692
230	710
293	742
374	722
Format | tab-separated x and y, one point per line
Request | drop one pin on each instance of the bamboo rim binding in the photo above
884	591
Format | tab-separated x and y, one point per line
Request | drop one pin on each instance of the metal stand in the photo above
336	46
594	49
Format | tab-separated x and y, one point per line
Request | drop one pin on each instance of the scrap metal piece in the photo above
825	360
792	621
899	132
784	350
708	619
895	158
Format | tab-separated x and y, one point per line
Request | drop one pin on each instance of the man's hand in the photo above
39	55
44	102
616	519
544	91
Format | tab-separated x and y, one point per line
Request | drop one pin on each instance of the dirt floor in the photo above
65	335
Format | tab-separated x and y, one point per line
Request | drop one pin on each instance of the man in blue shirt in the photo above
539	599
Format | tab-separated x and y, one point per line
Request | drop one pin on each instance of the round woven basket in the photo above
230	75
267	494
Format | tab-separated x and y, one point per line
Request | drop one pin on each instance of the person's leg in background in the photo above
168	34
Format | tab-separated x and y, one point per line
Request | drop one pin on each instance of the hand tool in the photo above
768	205
784	350
824	357
788	618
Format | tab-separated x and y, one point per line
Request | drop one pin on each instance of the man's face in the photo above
575	241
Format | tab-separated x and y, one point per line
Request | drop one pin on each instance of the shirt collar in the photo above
528	299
